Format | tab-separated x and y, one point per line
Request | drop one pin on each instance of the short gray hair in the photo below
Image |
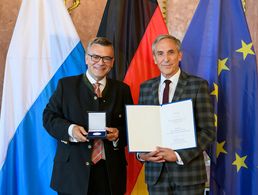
165	36
99	41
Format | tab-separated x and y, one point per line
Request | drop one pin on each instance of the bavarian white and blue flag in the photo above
44	48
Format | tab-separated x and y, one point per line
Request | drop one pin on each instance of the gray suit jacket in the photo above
193	171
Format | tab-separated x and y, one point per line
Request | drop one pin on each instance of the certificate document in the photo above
170	125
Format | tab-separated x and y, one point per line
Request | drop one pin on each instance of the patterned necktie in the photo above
166	92
96	87
98	152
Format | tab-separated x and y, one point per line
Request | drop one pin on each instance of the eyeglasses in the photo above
105	59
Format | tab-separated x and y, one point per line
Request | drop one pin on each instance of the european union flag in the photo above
218	47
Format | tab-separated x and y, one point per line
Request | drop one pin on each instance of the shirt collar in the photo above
92	80
173	79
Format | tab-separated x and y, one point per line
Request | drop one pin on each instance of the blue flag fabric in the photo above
218	47
44	48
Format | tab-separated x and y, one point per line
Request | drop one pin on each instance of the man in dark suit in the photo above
76	170
167	171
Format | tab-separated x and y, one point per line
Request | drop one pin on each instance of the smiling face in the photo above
98	70
167	56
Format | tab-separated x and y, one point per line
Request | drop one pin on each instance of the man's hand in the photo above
152	157
79	133
112	133
167	154
159	155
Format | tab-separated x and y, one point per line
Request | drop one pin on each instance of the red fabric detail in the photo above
165	98
97	152
142	68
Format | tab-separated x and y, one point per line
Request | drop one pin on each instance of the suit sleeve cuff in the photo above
179	160
115	143
70	132
138	157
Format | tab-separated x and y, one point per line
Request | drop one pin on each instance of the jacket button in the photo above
95	97
87	163
89	146
120	115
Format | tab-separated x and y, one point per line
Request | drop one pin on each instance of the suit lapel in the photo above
182	82
87	82
108	89
155	92
86	91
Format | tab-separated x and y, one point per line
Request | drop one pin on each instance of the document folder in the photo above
170	125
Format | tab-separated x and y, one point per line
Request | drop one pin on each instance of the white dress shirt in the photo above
172	86
101	86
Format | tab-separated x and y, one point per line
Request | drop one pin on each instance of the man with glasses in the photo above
82	165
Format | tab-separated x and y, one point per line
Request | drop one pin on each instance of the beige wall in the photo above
179	14
88	15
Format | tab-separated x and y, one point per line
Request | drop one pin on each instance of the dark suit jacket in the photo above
193	171
70	104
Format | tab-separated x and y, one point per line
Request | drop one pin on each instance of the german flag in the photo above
132	26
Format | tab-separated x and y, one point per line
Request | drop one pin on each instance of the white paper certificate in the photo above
169	125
